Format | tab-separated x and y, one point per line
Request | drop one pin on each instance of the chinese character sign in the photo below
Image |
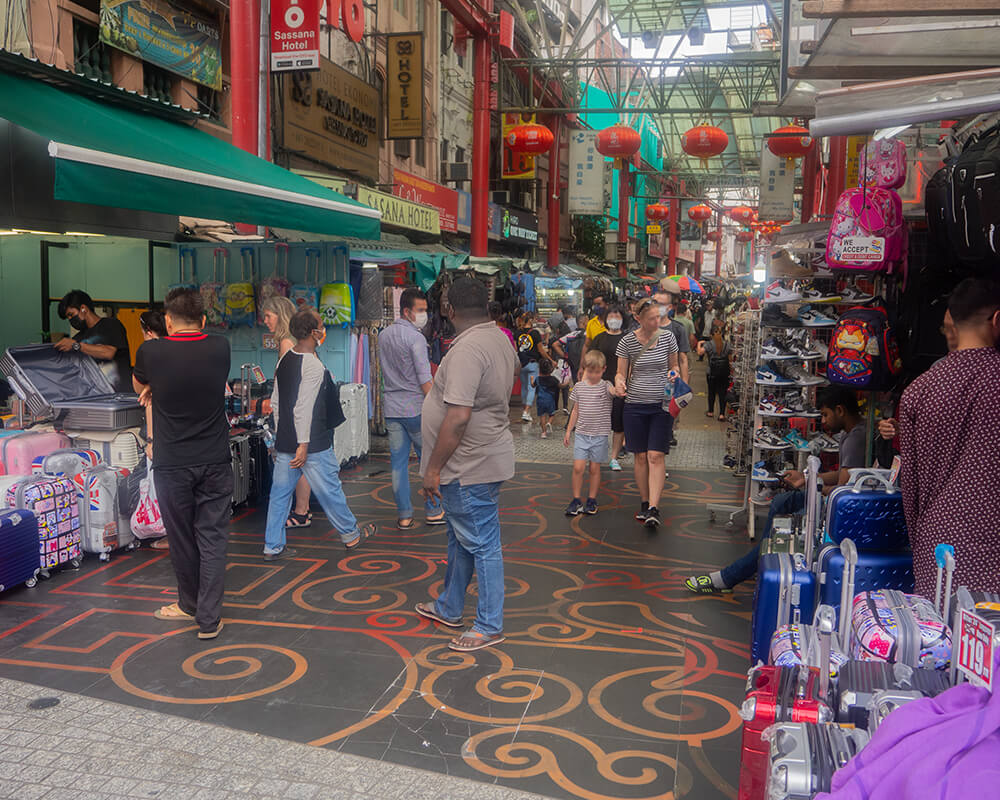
777	187
586	174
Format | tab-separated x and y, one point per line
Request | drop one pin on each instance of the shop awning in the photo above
115	157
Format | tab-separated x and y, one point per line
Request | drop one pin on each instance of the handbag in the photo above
147	522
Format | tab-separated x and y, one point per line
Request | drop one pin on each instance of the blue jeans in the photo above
323	473
746	567
404	432
529	373
473	516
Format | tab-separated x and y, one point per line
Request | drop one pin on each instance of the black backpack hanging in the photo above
975	202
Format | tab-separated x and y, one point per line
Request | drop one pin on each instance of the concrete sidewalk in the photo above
62	746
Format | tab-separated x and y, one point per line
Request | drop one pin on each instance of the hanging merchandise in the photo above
336	305
885	164
212	291
147	523
306	294
868	233
370	296
277	285
186	257
863	350
238	302
975	201
937	207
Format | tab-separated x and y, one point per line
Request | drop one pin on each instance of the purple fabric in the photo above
941	748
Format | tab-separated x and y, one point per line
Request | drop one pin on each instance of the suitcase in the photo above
869	510
802	757
69	388
893	626
872	571
65	463
18	452
129	487
884	702
117	448
55	504
796	644
351	438
239	450
261	466
860	681
776	694
102	527
19	545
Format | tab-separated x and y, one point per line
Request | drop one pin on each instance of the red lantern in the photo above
618	140
657	211
714	236
742	214
700	212
744	236
794	143
704	142
529	139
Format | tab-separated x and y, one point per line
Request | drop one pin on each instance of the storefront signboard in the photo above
404	86
654	229
586	174
777	187
167	36
294	35
464	212
428	193
332	117
401	213
519	227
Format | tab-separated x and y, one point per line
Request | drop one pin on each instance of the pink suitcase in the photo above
19	452
55	503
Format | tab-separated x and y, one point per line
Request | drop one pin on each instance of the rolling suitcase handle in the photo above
944	555
825	625
850	553
812	506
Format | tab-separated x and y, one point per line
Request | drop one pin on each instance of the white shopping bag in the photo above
146	520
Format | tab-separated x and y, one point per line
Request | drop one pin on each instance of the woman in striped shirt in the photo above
646	358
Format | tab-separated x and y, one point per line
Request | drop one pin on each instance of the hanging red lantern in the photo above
704	142
700	212
744	236
790	143
529	139
742	214
657	211
618	140
714	236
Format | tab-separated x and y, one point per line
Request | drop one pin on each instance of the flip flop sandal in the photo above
436	520
298	520
402	527
366	532
172	612
474	640
161	544
427	610
702	584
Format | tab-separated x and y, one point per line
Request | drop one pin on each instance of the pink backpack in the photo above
868	213
885	164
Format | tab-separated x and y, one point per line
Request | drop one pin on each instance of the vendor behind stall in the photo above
102	338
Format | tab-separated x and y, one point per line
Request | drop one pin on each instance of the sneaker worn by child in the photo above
653	517
590	507
575	508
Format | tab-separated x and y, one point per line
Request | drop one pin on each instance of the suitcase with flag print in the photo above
55	502
103	528
65	463
19	545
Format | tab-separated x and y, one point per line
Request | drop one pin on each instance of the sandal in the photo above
709	414
364	532
411	524
702	584
298	520
172	612
160	544
472	640
428	610
438	520
722	417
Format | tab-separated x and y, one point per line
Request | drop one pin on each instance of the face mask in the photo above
614	324
78	323
420	319
321	339
663	311
571	324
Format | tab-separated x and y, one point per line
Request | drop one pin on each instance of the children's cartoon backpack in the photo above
212	291
277	285
238	300
306	294
336	305
863	350
885	164
872	214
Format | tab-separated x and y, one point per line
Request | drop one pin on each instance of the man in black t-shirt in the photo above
102	338
184	376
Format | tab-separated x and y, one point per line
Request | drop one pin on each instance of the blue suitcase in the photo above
786	584
873	571
868	509
18	548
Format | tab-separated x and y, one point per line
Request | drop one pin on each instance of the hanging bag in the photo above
306	294
277	285
336	305
147	523
874	216
885	164
863	353
212	291
186	257
238	298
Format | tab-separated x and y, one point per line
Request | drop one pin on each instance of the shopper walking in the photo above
406	378
497	315
530	350
607	344
102	338
303	404
468	454
184	376
717	350
276	313
646	357
591	419
949	434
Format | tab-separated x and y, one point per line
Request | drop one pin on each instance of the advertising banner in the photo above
514	226
166	36
294	34
516	166
586	174
401	213
777	187
464	211
428	193
404	86
689	230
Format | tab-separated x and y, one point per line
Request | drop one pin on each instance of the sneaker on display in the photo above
767	439
852	294
797	440
777	293
814	318
762	474
784	266
802	351
818	348
769	376
772	349
772	317
825	443
810	294
773	407
803	377
799	408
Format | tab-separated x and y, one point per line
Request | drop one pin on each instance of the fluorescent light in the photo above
759	275
888	133
925	27
82	233
37	233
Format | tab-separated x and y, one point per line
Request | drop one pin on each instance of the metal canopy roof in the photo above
672	17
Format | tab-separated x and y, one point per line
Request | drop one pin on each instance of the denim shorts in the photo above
590	448
647	427
545	404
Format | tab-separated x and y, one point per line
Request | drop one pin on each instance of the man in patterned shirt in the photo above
950	447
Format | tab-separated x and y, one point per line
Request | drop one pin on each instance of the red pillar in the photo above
480	146
555	169
810	174
244	50
672	241
718	247
623	200
837	174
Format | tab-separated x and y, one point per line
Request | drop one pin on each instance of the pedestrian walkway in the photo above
614	681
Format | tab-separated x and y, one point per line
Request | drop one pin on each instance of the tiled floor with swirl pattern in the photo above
614	682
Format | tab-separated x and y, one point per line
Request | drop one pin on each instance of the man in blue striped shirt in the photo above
406	378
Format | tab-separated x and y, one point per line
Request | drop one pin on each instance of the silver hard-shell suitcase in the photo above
351	438
805	755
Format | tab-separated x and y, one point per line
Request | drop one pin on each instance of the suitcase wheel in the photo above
105	556
75	563
32	582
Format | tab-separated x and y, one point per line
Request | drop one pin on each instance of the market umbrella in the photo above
686	283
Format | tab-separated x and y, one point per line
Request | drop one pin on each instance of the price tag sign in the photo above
975	649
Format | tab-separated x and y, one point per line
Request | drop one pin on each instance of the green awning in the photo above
112	156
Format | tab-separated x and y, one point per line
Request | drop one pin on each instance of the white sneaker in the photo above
804	377
777	293
525	416
813	295
853	295
615	466
814	318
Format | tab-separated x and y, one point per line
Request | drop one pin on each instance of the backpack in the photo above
211	291
863	350
306	294
975	201
185	256
885	164
937	207
718	363
238	309
336	305
869	213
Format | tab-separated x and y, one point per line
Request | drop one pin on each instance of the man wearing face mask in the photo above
596	324
304	402
102	338
406	374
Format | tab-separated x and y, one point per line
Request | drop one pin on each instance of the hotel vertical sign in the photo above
404	86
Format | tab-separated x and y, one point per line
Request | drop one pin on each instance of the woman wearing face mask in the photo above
607	343
276	313
646	358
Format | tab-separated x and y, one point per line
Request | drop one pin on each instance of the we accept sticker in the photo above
861	249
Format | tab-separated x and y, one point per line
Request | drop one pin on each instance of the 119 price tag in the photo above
975	649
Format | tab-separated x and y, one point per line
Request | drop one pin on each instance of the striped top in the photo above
594	403
648	377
